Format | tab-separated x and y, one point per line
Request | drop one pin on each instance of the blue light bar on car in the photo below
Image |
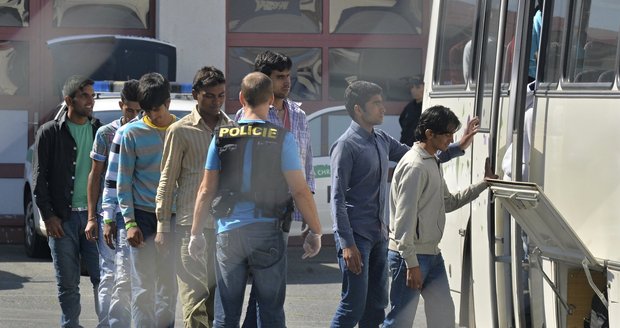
117	86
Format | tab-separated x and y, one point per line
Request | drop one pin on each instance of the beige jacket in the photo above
419	200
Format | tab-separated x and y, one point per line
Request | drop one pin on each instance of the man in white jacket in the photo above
419	200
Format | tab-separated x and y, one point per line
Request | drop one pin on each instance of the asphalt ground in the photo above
28	291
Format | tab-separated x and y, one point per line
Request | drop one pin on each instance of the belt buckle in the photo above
79	209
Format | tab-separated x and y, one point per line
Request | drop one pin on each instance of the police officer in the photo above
249	172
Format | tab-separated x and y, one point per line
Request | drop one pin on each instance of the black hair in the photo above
415	81
268	61
207	77
130	91
74	84
153	91
358	93
438	119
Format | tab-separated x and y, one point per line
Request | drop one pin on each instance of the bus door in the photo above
499	78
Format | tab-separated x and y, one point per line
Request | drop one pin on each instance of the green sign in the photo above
322	171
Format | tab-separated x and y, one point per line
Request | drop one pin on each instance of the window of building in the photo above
382	66
102	13
14	13
376	17
14	71
275	16
305	73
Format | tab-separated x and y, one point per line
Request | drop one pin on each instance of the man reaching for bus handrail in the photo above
419	200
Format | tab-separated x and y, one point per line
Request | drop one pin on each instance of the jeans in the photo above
106	272
256	249
359	303
120	301
66	252
438	303
251	312
153	284
196	279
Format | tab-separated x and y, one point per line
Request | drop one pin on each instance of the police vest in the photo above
268	187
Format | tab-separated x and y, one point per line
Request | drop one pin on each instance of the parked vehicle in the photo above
106	110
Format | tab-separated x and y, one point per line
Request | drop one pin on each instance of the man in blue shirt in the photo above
360	162
248	194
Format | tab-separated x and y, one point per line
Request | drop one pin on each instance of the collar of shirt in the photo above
361	131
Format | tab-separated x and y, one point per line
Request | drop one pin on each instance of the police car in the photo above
106	109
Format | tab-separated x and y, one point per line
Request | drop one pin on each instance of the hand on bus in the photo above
352	259
414	278
488	172
470	130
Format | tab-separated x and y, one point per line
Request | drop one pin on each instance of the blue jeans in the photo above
438	304
120	301
106	272
258	249
66	252
153	278
251	312
359	303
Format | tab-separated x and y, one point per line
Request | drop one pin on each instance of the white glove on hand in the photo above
197	246
312	245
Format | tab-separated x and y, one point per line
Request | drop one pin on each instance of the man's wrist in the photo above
109	221
131	224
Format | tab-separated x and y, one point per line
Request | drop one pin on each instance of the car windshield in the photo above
107	116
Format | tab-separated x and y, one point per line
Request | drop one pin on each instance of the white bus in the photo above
477	64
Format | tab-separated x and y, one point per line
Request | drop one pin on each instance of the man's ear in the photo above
167	103
272	99
194	94
242	99
428	133
68	101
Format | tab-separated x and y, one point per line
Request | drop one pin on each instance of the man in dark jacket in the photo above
411	113
60	172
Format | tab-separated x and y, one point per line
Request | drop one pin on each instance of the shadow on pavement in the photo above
10	281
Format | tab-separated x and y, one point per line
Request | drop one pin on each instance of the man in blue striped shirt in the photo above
153	275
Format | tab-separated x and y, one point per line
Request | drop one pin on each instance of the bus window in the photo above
593	42
454	56
382	66
102	13
305	74
555	42
376	17
509	43
274	16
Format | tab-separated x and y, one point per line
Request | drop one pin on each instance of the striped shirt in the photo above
182	168
299	129
139	167
109	201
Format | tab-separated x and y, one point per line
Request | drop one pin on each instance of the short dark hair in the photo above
414	81
269	61
75	83
130	91
358	93
153	91
437	119
256	89
208	76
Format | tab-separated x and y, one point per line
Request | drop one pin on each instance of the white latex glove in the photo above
312	245
197	246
